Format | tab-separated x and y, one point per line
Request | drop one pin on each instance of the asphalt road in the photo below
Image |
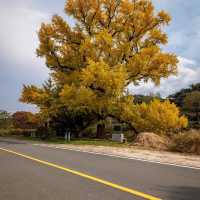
22	178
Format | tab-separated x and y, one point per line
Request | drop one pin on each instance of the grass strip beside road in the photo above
82	141
93	178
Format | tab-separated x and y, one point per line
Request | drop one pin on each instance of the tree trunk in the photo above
101	131
76	134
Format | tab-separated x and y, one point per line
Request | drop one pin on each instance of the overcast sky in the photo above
20	20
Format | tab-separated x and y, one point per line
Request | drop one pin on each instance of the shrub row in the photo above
16	132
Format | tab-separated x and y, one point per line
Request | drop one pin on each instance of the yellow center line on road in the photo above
93	178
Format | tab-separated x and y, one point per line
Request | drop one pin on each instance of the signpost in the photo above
117	135
68	136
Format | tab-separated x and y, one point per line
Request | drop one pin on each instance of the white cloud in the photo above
18	36
188	73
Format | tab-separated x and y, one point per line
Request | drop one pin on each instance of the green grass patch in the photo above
82	141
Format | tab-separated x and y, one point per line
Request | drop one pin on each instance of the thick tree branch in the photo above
63	68
122	121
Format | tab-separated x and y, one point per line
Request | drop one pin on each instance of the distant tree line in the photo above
19	119
188	100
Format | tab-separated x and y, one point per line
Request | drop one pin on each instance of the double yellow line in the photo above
93	178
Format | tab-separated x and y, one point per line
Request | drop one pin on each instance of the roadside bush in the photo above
129	135
45	133
27	132
16	132
158	117
187	142
89	132
4	132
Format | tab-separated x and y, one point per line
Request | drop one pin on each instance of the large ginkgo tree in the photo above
112	44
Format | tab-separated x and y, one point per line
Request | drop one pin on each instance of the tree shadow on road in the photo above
181	192
7	142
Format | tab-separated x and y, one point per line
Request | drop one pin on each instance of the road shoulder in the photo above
161	157
132	152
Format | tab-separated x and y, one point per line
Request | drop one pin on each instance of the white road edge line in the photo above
117	156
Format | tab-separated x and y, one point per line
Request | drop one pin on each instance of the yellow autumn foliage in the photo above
100	78
159	117
112	44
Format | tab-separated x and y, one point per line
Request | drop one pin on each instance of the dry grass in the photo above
187	142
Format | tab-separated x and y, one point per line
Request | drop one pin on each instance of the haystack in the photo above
151	140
